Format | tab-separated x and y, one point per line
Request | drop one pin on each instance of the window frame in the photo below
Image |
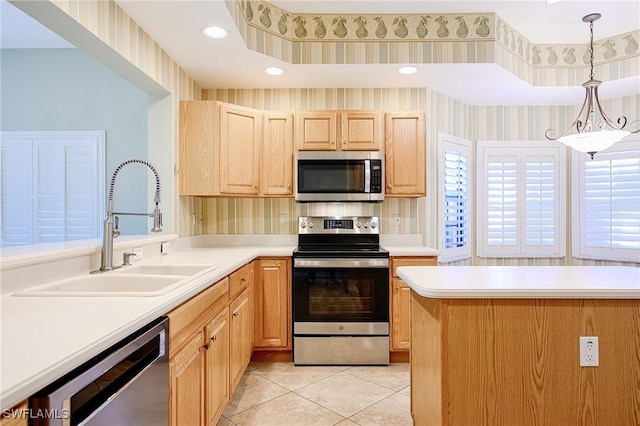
464	146
579	249
521	150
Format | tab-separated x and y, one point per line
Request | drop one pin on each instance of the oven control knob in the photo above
373	225
366	224
303	225
310	224
358	225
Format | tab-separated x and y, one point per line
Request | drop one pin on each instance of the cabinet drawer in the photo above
183	320
240	279
414	261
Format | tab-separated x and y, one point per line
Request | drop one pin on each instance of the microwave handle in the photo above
367	176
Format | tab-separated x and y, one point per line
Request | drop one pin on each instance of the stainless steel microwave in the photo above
339	176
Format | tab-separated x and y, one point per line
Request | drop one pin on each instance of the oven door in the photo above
327	290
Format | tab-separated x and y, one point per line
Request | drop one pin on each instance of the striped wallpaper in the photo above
256	216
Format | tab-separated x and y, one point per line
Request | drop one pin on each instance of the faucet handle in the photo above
116	231
126	258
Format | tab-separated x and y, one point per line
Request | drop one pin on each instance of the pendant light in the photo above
593	130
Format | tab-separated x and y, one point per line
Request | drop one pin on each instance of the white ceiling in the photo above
176	24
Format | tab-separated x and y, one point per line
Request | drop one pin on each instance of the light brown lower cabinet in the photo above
272	304
400	323
217	367
198	357
187	373
241	336
16	416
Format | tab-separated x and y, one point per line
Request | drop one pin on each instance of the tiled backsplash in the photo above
264	215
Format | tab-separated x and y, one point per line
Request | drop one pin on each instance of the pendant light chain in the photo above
591	58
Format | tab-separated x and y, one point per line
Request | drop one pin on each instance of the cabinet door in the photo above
16	416
277	154
316	130
217	367
405	160
272	303
240	144
241	336
197	148
186	372
400	315
361	131
401	301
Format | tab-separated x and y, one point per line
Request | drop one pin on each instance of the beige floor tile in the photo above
394	410
346	422
406	391
291	377
344	393
224	422
396	376
251	391
289	409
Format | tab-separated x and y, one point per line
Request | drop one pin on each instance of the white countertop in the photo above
541	282
45	337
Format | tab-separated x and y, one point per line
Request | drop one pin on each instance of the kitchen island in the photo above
500	345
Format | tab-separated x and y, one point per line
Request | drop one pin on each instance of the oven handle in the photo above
340	263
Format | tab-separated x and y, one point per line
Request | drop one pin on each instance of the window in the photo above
520	199
52	186
454	185
606	202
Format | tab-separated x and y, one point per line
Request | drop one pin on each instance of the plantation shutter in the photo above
520	199
52	186
609	206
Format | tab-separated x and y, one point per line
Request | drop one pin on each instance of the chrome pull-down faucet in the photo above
111	231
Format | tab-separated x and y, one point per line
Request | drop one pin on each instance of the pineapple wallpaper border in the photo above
294	28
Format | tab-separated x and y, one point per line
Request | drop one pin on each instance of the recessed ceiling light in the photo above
273	71
215	32
407	70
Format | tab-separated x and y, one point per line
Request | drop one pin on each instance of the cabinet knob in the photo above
243	280
213	338
256	186
389	186
288	186
235	314
206	346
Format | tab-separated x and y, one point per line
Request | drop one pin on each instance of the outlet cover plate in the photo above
589	351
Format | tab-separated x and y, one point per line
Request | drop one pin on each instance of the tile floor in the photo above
279	393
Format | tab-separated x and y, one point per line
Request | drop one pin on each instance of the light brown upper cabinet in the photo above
220	149
240	145
339	130
316	130
361	130
277	154
198	148
405	161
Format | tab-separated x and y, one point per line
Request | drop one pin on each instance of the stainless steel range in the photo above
340	292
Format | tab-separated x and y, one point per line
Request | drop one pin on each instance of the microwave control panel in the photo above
376	176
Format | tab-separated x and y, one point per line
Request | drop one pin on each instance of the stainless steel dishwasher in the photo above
127	384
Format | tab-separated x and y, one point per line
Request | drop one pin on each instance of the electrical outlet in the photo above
589	351
283	219
137	253
396	220
164	248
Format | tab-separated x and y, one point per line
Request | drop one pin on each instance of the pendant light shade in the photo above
592	130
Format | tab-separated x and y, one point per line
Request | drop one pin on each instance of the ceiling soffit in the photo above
429	39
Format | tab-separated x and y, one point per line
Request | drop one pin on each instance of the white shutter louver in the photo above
502	202
540	202
456	200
